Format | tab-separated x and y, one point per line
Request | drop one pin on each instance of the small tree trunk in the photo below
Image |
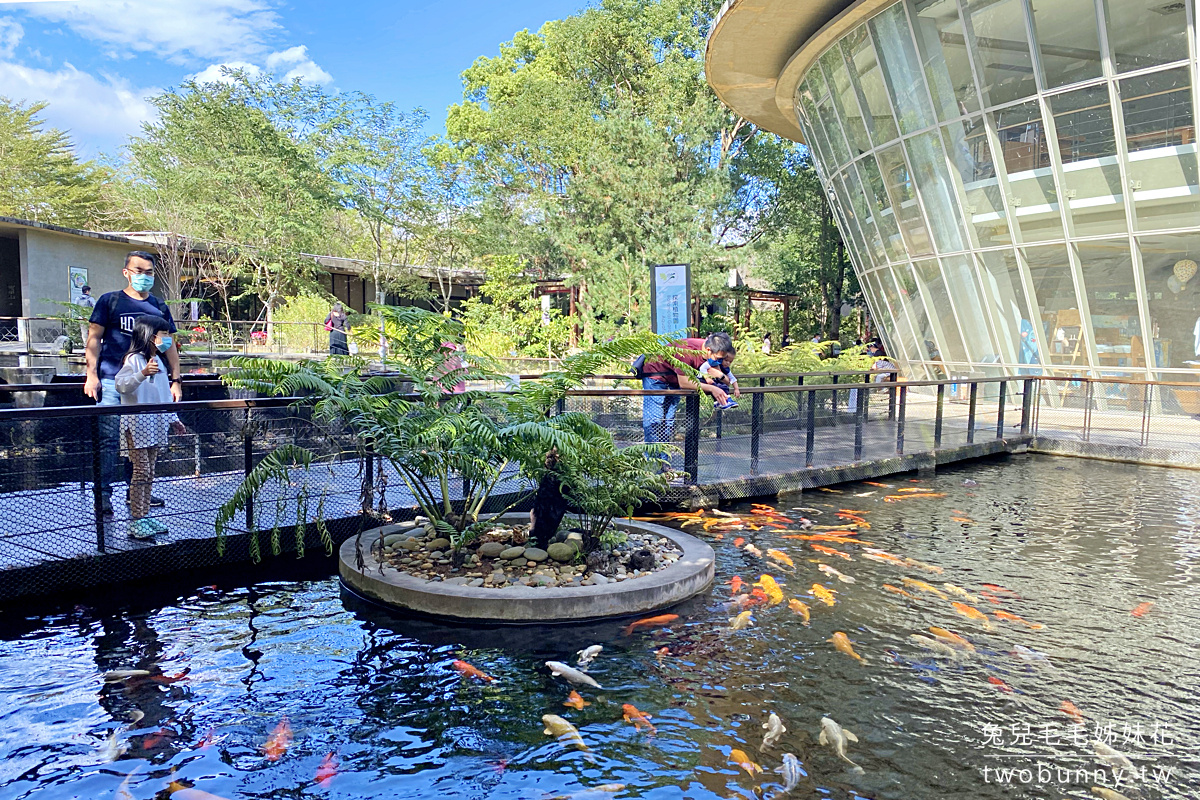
549	506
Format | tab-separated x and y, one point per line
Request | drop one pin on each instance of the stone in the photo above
561	536
476	582
574	536
598	579
436	555
491	549
536	554
560	551
509	553
391	540
411	545
641	560
455	581
541	580
439	544
499	577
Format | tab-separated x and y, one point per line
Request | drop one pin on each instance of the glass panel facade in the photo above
1018	182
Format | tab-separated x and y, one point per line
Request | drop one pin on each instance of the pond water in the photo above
1074	546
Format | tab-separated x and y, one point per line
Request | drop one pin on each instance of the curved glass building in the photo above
1016	180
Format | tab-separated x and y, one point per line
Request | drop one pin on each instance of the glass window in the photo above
1161	136
1088	147
902	328
902	69
964	288
1016	334
860	53
1067	40
1057	308
938	194
881	210
970	155
816	136
830	124
910	298
1001	50
1173	291
1030	179
942	41
1145	33
850	224
898	182
1112	300
852	197
945	327
845	101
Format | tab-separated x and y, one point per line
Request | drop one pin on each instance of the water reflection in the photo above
1071	545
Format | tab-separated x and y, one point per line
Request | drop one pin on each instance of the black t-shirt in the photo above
117	312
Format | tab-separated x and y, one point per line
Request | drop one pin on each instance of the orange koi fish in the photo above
735	584
879	485
207	741
895	590
327	770
895	498
1071	711
738	542
963	520
999	684
660	654
924	587
468	671
915	490
912	562
952	639
167	680
972	613
825	537
781	557
638	718
884	558
1142	608
827	489
769	588
799	608
842	644
1034	626
997	589
651	622
742	760
279	741
153	740
719	536
823	594
575	700
757	597
829	551
991	598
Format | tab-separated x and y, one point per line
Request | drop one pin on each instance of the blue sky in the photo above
96	61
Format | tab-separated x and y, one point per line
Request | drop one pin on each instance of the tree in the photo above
241	182
506	316
41	179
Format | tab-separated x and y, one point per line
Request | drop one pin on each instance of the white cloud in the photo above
179	30
98	113
302	66
294	60
10	36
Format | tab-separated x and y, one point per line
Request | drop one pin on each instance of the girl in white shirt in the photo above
143	379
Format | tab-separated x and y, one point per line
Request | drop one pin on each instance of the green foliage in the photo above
306	307
41	179
505	318
73	316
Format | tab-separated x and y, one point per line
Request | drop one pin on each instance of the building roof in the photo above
751	45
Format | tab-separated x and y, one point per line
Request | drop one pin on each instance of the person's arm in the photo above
733	384
172	358
718	394
91	383
133	373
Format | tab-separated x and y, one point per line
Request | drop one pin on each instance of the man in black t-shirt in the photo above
108	342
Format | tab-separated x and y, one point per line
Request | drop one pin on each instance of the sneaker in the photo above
139	529
157	526
730	403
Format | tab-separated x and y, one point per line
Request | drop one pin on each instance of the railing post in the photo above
560	405
800	402
368	493
811	432
900	420
860	417
937	422
893	379
833	400
1000	412
756	421
1147	393
971	412
97	483
720	422
1089	397
247	466
1026	405
691	441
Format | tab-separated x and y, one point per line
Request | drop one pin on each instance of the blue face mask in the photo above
165	344
141	283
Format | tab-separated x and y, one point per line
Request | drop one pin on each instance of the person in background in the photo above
658	411
785	342
335	323
766	346
142	379
108	340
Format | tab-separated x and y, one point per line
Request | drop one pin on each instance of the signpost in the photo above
670	298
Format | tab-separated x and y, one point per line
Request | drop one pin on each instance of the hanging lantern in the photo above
1185	270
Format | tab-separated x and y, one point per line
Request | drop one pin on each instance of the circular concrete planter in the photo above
687	577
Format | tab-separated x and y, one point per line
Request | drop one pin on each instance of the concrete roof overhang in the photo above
758	50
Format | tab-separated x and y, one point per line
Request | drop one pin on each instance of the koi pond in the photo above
1025	628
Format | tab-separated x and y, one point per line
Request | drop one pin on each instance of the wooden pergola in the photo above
744	299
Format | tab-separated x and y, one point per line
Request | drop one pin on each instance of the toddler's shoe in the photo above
157	526
140	529
730	403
